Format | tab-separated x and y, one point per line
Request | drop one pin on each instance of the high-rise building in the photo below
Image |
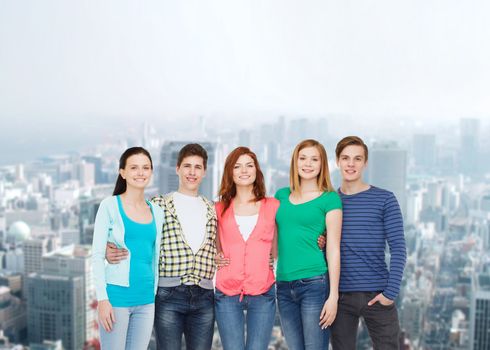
387	168
74	260
55	309
86	218
424	151
34	249
480	313
14	260
66	278
86	173
97	162
168	179
469	146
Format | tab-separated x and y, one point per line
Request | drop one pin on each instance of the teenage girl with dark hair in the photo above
126	291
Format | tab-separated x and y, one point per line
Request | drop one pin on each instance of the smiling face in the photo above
351	163
244	171
309	163
137	171
191	173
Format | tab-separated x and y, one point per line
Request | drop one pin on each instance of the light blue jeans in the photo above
132	329
232	323
300	303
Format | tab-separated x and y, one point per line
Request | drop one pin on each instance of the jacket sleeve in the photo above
101	233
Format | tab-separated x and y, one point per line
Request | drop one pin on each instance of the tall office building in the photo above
168	179
97	162
34	249
86	218
66	279
74	260
480	313
424	151
85	173
387	168
55	309
469	147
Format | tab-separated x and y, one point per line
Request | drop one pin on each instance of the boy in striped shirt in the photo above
368	287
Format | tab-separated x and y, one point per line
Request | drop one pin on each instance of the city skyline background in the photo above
81	81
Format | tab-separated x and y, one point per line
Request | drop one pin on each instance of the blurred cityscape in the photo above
441	177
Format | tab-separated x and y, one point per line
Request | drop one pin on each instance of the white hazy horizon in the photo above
72	71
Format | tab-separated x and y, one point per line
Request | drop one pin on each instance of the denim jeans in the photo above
381	322
132	329
187	310
300	303
258	322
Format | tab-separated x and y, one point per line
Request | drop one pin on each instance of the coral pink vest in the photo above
249	271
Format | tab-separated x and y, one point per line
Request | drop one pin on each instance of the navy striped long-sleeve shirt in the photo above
371	219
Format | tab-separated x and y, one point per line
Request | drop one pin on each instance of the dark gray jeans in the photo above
381	322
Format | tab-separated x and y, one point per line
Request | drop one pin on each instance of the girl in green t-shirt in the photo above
307	295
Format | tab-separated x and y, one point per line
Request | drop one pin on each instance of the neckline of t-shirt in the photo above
121	207
311	200
187	196
371	187
247	216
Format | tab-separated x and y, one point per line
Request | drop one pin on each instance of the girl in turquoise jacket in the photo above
126	291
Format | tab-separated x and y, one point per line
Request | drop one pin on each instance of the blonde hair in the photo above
323	179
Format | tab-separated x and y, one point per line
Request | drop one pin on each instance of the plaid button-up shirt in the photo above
176	256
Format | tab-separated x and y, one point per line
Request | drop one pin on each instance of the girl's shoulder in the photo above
271	202
283	193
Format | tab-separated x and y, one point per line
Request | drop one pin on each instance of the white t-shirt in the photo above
191	212
246	224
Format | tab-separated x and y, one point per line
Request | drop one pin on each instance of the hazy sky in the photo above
65	66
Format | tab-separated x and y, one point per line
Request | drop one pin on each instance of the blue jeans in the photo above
132	329
300	303
261	310
187	310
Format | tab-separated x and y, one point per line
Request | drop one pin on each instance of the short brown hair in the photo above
323	180
193	149
228	188
350	141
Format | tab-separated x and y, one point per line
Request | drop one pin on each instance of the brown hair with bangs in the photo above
351	141
228	187
323	180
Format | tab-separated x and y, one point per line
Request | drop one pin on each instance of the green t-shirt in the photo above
299	226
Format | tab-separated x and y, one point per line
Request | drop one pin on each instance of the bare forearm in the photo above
333	259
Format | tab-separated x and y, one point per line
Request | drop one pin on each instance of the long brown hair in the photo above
323	179
228	188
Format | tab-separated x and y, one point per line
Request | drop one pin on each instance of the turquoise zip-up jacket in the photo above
109	227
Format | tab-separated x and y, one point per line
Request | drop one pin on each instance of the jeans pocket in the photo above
385	307
163	293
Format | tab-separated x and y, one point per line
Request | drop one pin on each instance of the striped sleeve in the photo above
393	227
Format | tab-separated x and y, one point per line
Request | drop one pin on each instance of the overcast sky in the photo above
67	65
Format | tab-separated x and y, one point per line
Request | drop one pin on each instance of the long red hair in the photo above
228	188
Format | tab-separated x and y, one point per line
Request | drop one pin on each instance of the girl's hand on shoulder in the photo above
106	315
329	312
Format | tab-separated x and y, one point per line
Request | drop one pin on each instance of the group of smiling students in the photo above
172	245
